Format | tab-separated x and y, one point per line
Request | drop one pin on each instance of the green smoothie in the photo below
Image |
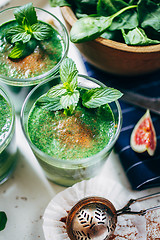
81	135
5	119
45	56
8	148
71	126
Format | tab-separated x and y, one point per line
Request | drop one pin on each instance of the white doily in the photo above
128	227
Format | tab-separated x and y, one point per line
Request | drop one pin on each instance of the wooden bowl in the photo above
114	57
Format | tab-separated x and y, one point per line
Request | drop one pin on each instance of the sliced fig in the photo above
143	137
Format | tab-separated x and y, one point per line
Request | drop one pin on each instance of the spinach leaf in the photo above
91	27
113	35
59	3
109	7
149	14
3	220
132	2
137	36
85	7
127	20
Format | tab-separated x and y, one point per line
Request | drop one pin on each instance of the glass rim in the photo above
94	158
12	125
37	79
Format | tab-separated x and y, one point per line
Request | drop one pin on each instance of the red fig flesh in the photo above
143	137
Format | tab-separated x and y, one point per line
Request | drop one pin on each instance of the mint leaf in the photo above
99	96
50	104
66	71
56	91
26	11
17	51
16	34
23	50
66	96
73	80
71	99
41	31
3	220
28	29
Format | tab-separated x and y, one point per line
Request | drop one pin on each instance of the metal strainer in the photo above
95	218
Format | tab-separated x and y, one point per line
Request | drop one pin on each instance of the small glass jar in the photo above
69	171
18	88
8	146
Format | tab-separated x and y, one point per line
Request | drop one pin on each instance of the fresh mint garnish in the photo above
23	49
96	97
67	94
28	28
3	220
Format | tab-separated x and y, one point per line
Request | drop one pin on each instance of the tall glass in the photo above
68	172
18	88
8	146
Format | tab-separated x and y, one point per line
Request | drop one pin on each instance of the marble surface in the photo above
26	194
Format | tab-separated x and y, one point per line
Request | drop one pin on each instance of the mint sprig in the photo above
67	94
3	220
28	28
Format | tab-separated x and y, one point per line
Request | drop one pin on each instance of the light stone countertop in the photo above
26	194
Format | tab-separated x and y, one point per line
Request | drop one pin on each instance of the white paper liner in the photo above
128	227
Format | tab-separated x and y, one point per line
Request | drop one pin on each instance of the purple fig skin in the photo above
143	137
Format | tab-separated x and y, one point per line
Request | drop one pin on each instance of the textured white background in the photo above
25	196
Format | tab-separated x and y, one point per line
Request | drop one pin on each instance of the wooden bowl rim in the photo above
71	19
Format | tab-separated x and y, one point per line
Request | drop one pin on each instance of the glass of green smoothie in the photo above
71	142
33	43
8	146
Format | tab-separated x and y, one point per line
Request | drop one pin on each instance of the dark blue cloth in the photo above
142	170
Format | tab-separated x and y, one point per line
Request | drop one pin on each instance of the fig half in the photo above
143	137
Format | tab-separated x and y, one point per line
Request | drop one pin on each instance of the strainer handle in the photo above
127	210
141	213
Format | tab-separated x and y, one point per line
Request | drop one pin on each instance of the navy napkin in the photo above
142	170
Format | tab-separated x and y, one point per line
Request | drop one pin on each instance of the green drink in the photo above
70	148
31	56
8	147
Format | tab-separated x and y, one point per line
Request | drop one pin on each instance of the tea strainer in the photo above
95	218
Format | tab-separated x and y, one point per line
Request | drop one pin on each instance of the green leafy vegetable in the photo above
3	220
28	28
67	95
149	14
137	36
145	16
109	7
91	27
59	3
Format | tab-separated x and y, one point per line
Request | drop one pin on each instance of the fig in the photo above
143	137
